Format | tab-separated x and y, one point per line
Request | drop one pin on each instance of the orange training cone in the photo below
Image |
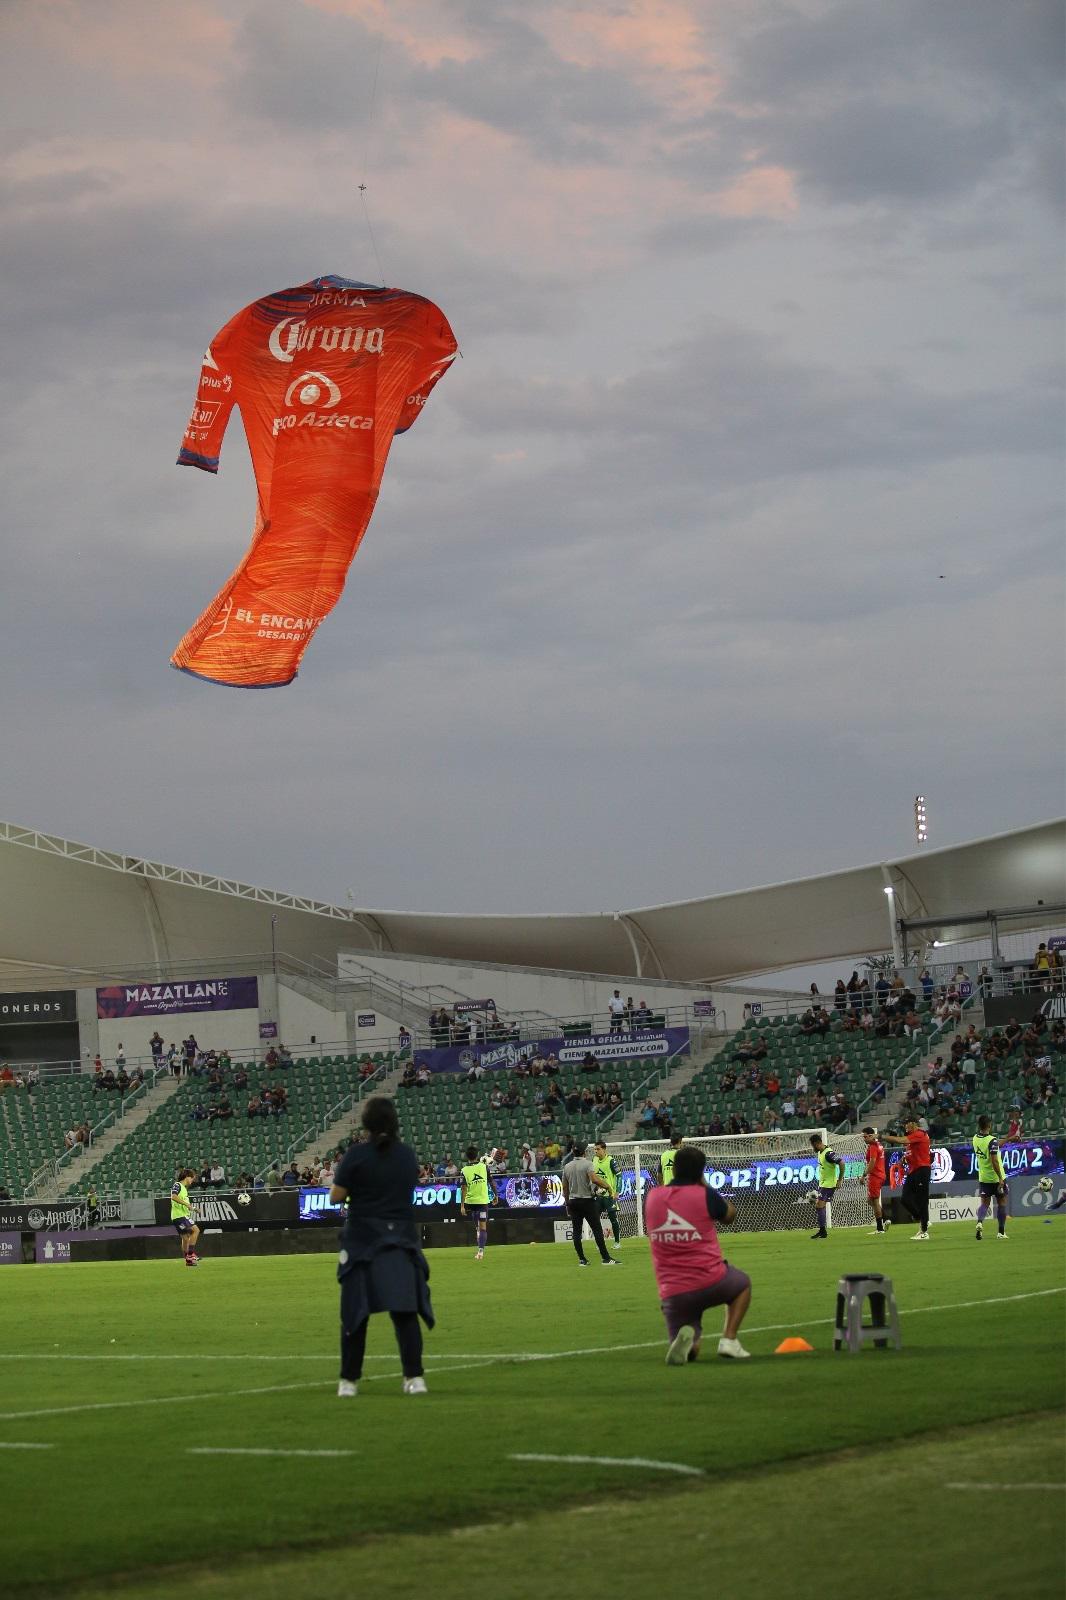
791	1347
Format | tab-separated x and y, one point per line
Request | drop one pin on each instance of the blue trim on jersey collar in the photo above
224	684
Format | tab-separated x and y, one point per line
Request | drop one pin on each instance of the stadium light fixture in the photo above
921	820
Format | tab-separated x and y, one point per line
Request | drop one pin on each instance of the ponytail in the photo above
381	1121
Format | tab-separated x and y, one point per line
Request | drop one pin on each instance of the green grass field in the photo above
117	1375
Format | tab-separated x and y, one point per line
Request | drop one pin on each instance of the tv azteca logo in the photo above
318	395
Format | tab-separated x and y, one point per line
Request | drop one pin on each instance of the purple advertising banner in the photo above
162	999
606	1047
704	1008
463	1006
10	1249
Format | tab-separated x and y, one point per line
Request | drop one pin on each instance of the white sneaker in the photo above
733	1349
919	1236
347	1390
415	1386
1001	1235
679	1347
480	1256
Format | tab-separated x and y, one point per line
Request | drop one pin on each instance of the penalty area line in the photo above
612	1461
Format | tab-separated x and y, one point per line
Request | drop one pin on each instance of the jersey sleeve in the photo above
439	351
201	445
717	1208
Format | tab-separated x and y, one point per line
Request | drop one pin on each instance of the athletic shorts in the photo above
184	1224
990	1191
873	1190
686	1310
827	1194
480	1215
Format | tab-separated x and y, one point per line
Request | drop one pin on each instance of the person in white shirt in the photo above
616	1006
529	1160
801	1082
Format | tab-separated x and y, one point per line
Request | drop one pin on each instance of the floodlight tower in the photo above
921	826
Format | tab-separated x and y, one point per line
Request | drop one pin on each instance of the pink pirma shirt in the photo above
685	1251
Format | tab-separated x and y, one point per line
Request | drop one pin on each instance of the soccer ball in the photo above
1044	1183
244	1199
811	1196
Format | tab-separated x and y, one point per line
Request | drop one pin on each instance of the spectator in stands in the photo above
882	989
290	1178
589	1062
727	1083
647	1114
155	1045
422	1076
189	1048
840	996
496	1100
552	1151
409	1077
527	1160
512	1100
122	1080
773	1085
573	1100
716	1126
808	1026
271	1059
212	1111
751	1050
198	1112
217	1175
788	1104
551	1064
70	1138
225	1110
616	1010
854	991
642	1016
477	1071
279	1100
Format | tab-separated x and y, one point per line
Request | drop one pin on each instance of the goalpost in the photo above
768	1176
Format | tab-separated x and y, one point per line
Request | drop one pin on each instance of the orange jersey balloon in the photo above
325	375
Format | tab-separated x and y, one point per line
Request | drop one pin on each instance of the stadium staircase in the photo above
32	1125
671	1086
145	1161
869	1061
77	1173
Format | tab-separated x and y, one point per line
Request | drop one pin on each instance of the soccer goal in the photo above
768	1176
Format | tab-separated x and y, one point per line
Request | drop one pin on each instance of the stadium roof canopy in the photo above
67	908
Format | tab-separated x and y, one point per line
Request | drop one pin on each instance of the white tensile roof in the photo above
67	908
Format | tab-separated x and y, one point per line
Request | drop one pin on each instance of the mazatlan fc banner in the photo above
606	1047
162	999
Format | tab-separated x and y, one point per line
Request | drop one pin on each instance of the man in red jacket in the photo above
915	1191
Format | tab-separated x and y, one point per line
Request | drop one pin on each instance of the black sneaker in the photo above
819	1235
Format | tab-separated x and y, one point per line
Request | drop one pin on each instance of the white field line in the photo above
615	1461
1060	1488
518	1357
495	1356
6	1446
198	1355
221	1450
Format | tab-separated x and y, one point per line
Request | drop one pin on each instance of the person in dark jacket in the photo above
381	1265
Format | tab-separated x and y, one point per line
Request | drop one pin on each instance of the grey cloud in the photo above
314	70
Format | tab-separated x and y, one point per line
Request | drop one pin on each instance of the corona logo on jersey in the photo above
377	354
294	333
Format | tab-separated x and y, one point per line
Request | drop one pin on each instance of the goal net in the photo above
768	1176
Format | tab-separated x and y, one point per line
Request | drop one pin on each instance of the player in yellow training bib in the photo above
476	1191
181	1216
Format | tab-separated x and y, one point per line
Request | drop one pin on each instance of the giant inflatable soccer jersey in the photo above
324	375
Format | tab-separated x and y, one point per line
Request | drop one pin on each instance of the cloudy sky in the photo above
739	523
